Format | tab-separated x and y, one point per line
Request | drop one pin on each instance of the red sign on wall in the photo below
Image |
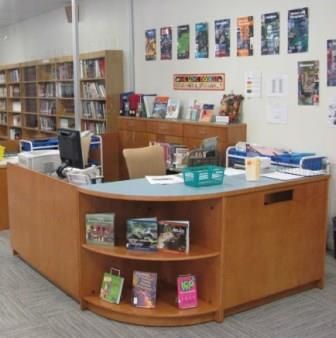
205	81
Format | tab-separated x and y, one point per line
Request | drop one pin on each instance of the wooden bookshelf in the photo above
37	97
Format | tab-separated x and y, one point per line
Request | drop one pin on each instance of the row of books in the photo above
65	89
94	109
146	234
92	68
164	107
144	289
65	71
3	118
95	127
93	90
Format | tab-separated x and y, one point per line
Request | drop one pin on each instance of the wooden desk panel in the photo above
44	225
3	199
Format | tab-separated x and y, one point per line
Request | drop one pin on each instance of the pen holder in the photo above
252	168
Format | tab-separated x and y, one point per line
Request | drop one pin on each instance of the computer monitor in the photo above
69	144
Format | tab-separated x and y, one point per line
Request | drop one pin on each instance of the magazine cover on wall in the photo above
222	37
183	42
150	44
331	62
245	35
201	40
270	33
308	83
298	30
166	43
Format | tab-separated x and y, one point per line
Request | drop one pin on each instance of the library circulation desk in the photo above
250	242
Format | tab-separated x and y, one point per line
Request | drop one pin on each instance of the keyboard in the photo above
301	171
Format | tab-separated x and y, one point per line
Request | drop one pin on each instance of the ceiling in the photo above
13	11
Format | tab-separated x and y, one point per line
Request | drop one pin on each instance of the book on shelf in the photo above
112	286
207	112
173	108
124	103
160	107
144	289
99	228
174	236
148	103
142	234
194	110
186	291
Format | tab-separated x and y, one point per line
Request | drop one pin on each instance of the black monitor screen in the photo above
69	143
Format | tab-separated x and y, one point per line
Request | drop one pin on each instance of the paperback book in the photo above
173	108
173	236
186	291
112	286
144	289
207	112
100	228
142	234
160	107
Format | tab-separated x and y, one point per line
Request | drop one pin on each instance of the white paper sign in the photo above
277	113
252	84
278	85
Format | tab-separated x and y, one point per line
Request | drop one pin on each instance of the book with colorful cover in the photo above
99	228
173	108
173	236
270	33
112	286
207	112
142	234
186	292
194	110
144	289
148	103
160	107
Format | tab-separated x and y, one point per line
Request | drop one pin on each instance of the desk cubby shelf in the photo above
203	260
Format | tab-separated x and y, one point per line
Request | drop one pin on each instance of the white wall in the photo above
307	128
104	24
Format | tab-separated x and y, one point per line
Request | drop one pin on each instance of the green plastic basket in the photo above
204	175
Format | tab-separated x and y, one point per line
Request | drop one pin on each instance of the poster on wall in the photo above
222	37
166	38
252	84
201	40
331	62
308	83
270	33
245	35
298	30
183	42
150	44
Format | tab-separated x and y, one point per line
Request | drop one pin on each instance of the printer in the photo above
45	161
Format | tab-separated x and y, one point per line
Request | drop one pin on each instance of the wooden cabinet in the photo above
137	132
37	97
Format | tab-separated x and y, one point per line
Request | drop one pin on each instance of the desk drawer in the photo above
165	128
205	131
132	124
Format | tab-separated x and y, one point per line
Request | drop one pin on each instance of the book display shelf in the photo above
37	97
203	260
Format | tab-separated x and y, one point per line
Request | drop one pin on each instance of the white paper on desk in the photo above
281	176
233	171
165	179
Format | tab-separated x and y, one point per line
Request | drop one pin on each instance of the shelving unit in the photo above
37	97
203	260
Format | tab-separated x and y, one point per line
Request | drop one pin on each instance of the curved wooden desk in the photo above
250	242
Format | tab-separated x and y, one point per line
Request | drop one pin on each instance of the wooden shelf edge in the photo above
162	315
195	253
